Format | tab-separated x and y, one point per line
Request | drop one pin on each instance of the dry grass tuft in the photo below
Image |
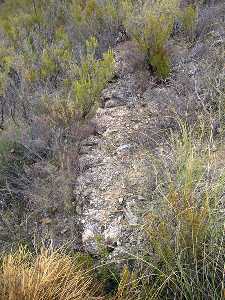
47	276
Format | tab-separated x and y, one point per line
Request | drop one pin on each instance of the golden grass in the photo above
47	276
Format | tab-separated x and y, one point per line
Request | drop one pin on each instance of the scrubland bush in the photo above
45	59
188	18
151	25
84	87
50	83
54	62
52	80
101	19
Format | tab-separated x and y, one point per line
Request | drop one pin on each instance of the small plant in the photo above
188	17
128	286
6	60
151	27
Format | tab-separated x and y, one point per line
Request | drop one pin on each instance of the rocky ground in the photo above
136	116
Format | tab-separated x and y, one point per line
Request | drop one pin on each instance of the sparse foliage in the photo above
189	18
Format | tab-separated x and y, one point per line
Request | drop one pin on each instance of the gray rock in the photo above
113	103
113	232
124	147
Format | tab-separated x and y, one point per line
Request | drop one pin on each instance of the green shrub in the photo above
188	17
90	77
45	58
151	26
93	75
56	58
6	60
100	19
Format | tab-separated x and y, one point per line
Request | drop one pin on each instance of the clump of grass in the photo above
49	275
128	286
185	229
184	258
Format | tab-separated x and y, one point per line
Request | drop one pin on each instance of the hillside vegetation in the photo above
67	66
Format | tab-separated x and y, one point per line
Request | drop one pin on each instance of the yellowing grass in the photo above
50	275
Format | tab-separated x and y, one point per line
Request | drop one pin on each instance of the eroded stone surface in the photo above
114	185
136	117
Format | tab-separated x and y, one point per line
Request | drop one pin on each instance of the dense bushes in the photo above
53	68
42	73
43	56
